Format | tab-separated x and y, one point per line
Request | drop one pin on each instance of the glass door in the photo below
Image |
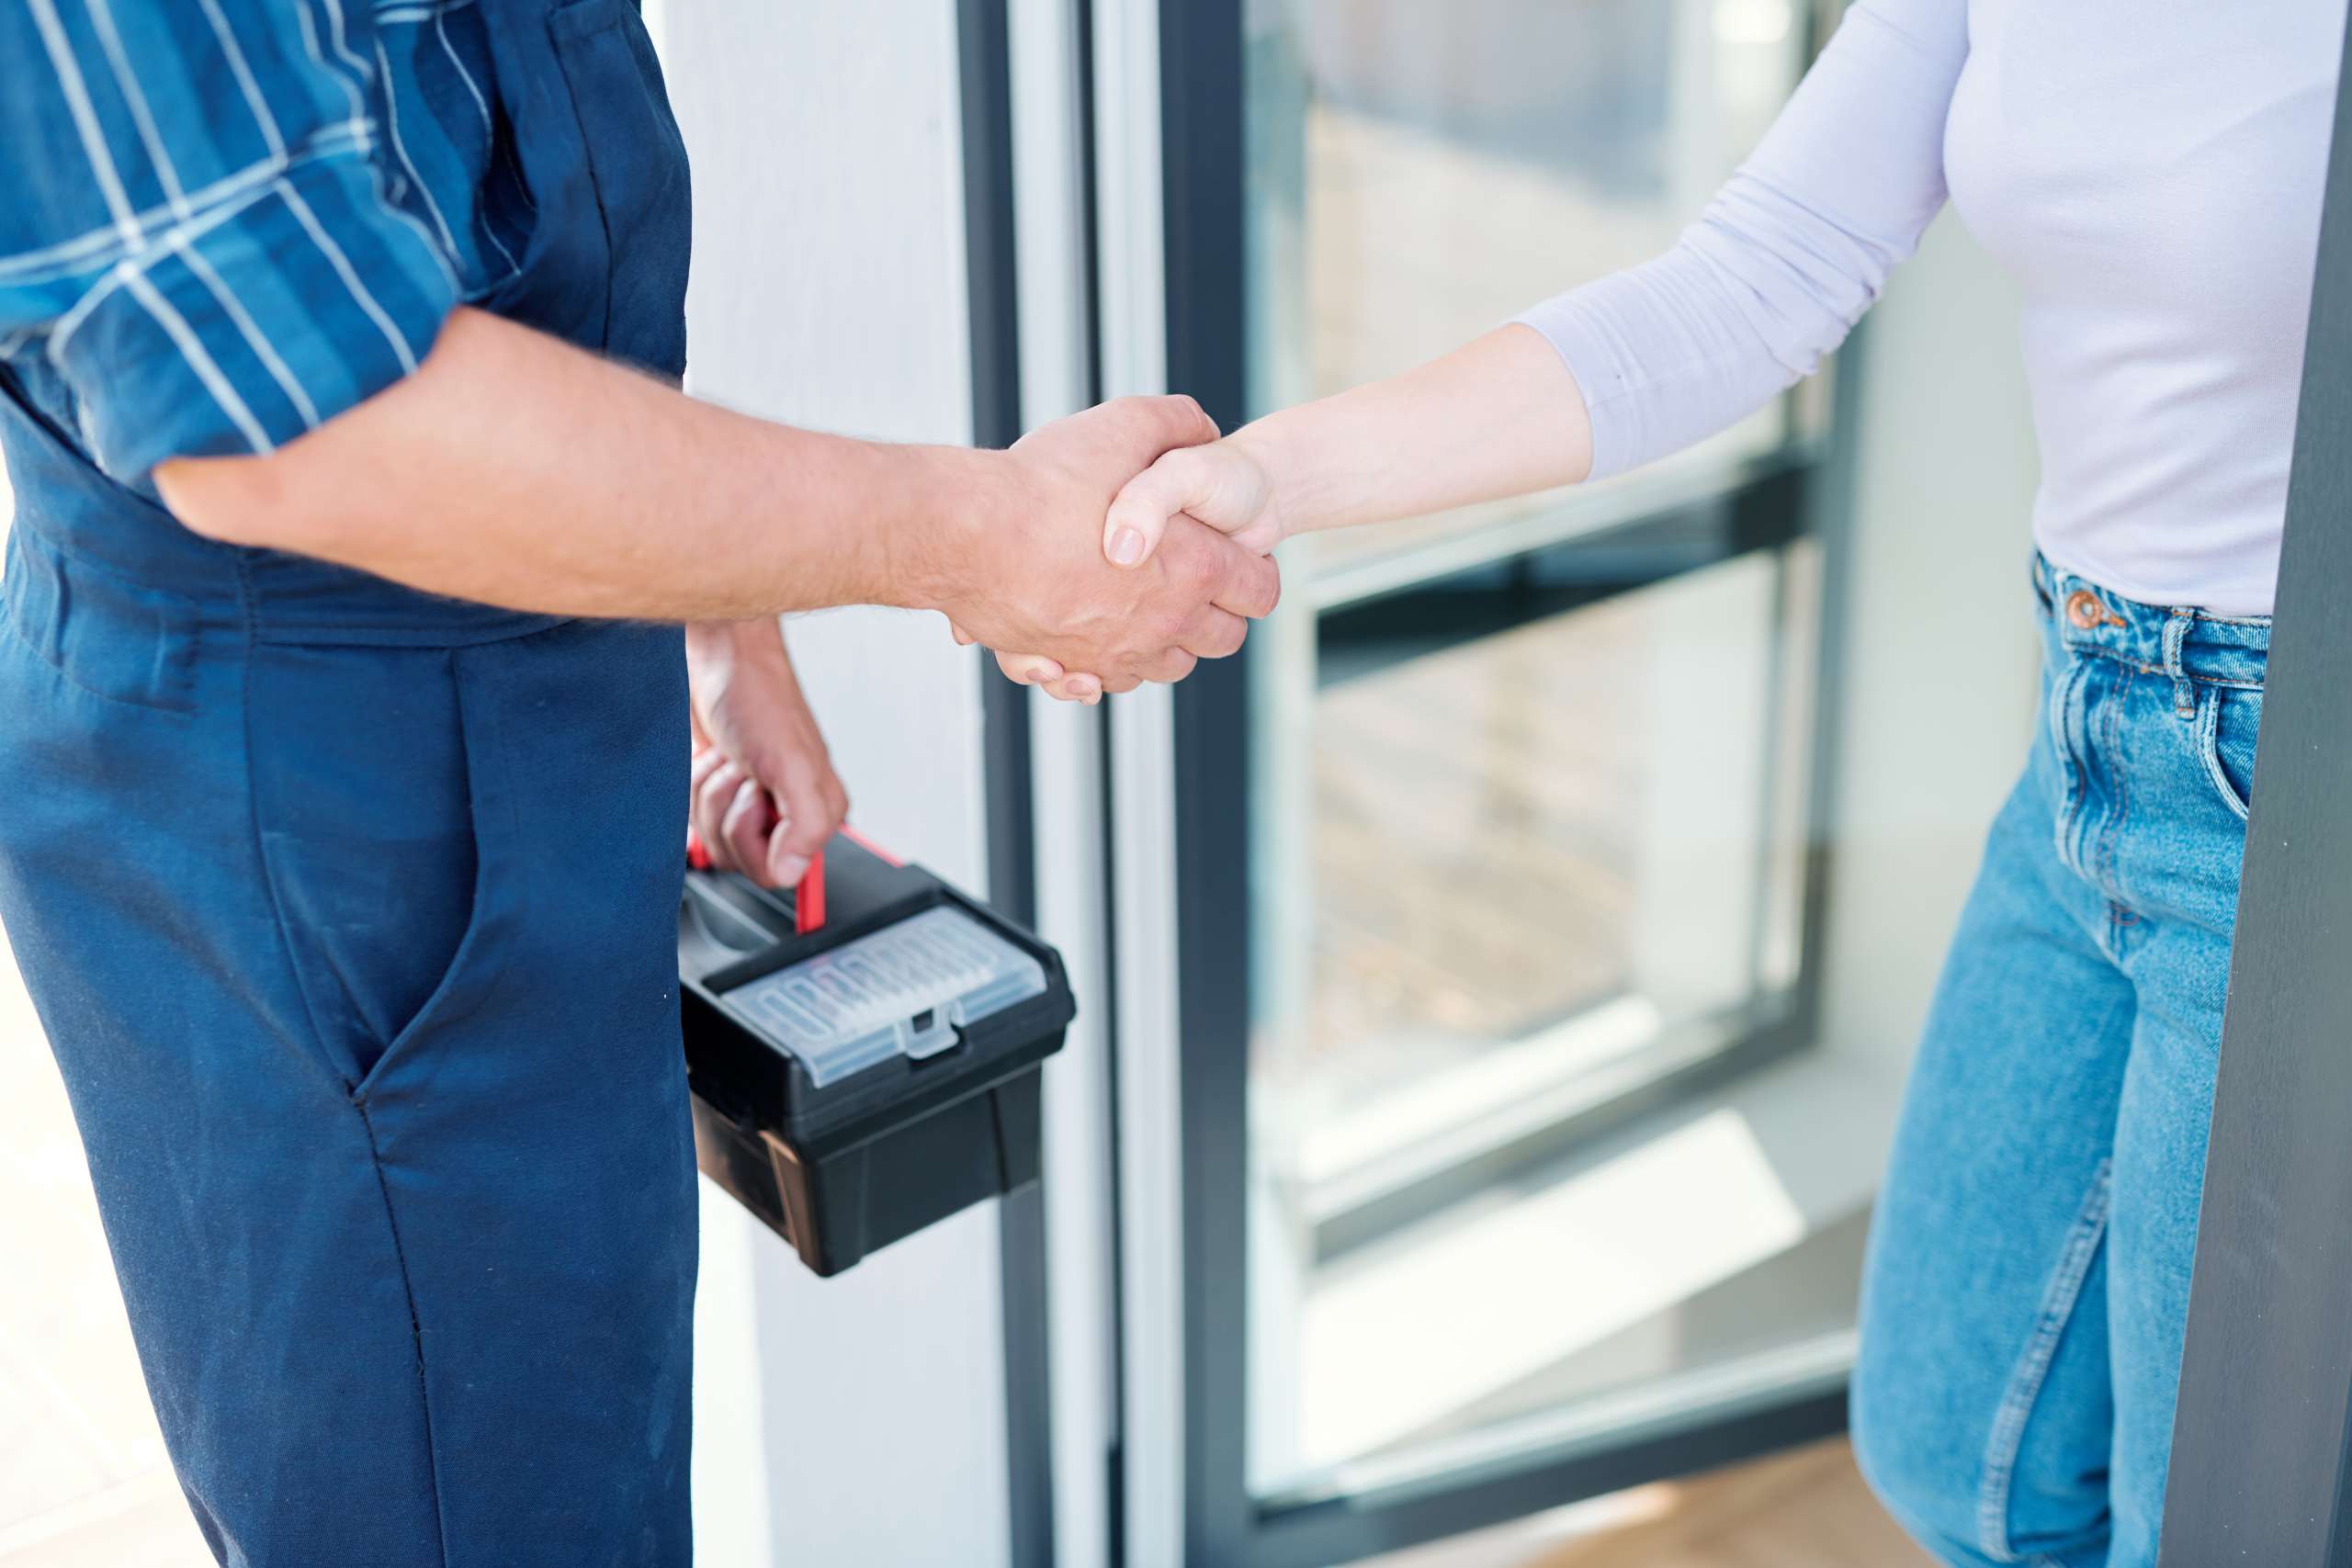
1496	861
1528	780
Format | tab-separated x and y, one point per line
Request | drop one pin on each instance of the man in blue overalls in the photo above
343	727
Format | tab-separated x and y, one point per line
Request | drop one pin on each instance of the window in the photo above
1529	780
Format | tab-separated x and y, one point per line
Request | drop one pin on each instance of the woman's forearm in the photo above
1500	416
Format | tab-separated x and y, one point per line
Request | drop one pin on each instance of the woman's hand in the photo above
1501	415
1227	484
762	795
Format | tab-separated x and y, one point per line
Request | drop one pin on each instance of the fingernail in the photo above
1126	547
789	870
1082	687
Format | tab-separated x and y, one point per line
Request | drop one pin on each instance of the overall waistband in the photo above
83	546
123	553
2178	641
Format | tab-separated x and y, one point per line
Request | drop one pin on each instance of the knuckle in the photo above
1266	588
1192	570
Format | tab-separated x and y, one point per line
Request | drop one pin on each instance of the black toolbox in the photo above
865	1050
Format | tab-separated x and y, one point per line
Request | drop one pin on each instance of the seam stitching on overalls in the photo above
318	1047
318	1041
481	750
2008	1436
416	1335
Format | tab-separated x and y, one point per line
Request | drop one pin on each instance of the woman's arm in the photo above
1501	415
1625	369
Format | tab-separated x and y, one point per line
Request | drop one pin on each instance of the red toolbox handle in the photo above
807	893
809	896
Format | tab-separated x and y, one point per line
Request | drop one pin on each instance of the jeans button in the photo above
2082	608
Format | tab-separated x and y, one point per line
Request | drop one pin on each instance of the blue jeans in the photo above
2026	1283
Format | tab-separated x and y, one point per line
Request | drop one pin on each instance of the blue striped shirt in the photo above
227	220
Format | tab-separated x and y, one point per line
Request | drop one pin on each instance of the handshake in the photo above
1080	555
1124	549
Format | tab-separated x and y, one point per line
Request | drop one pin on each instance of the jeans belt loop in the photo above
2184	691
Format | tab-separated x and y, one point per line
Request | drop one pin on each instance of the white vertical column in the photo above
1133	313
867	1411
1066	752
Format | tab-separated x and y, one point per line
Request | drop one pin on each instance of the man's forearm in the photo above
516	470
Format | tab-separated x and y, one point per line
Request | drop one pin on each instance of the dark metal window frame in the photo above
2262	1436
984	82
1202	78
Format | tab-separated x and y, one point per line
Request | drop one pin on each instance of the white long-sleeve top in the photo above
2150	170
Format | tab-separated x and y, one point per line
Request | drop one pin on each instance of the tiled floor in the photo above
1807	1508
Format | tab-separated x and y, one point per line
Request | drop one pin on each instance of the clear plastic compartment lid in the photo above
900	991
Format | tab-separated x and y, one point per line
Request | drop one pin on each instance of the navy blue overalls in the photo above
350	914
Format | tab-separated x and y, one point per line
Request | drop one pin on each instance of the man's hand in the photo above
1037	581
763	796
1223	485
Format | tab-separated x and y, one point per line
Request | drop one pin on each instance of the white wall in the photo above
1941	651
856	1420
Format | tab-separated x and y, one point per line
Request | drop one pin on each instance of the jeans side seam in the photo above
2119	914
2008	1436
2065	696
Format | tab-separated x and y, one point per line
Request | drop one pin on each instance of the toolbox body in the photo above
855	1083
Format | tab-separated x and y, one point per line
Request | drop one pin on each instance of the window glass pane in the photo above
1541	869
1530	806
1521	829
1423	172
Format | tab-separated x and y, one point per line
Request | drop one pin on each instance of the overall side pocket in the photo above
366	807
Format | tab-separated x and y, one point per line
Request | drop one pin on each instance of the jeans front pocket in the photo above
2227	720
